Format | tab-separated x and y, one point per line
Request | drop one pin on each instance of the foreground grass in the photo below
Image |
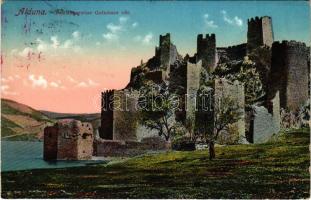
277	169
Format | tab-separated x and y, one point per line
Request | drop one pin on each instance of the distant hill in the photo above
93	118
21	122
87	117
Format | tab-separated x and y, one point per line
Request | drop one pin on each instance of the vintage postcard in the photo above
155	99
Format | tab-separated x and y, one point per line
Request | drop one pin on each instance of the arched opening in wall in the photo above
84	135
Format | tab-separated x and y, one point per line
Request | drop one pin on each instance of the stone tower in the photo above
166	53
259	33
206	51
68	139
290	73
118	115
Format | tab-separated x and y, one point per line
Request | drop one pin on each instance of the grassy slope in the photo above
273	170
24	127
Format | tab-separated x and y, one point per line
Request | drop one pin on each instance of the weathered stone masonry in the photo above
290	73
68	140
259	33
206	51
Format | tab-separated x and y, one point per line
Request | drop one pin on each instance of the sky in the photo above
62	63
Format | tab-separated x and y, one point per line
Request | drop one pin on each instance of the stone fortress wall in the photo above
206	51
259	32
68	140
235	91
120	131
290	73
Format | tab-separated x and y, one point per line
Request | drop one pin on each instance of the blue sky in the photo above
141	28
51	61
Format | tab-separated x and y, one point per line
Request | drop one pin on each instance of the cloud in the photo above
83	84
5	90
26	52
68	44
232	21
135	24
111	36
10	78
71	79
88	83
38	82
54	84
55	42
209	23
42	46
92	83
123	20
114	30
145	40
76	35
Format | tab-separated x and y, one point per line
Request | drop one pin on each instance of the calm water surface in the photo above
21	155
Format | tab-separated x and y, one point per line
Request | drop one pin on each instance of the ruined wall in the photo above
234	90
193	84
155	76
260	32
265	122
167	52
121	148
267	31
75	140
237	52
206	51
106	127
290	73
85	141
68	139
125	115
50	143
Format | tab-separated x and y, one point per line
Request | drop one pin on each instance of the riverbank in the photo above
278	169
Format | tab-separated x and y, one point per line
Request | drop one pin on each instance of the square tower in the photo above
259	33
206	51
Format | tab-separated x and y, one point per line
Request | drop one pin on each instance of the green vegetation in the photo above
6	108
6	127
278	169
24	137
21	129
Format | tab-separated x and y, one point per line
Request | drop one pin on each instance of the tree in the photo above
157	107
211	121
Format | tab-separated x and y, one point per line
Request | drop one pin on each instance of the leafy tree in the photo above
216	118
157	107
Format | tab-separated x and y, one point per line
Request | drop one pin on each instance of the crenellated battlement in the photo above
208	37
259	33
206	51
257	19
165	39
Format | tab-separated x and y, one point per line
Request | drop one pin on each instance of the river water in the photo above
22	155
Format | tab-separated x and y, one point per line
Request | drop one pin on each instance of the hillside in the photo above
277	169
21	122
93	118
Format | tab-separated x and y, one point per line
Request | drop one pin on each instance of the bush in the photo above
183	144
